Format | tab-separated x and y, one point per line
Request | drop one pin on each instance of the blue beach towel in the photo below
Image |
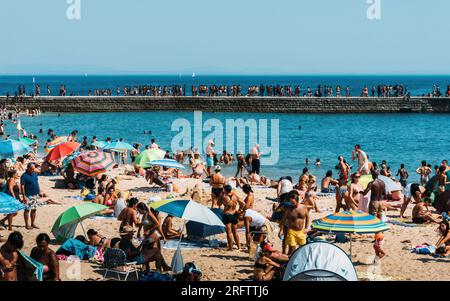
76	247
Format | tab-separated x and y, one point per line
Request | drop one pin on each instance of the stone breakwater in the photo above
79	104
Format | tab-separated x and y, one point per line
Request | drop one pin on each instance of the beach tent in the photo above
320	261
202	230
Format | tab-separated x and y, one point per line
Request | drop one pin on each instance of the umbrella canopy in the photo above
177	261
69	158
55	142
93	163
119	145
390	184
188	210
9	205
100	144
65	225
31	269
27	141
149	155
164	163
350	222
13	149
62	150
202	230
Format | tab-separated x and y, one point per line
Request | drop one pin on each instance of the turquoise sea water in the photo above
397	138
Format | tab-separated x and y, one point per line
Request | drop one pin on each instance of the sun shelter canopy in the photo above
320	261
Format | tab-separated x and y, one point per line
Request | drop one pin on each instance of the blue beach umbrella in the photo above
202	230
164	163
100	144
13	149
119	145
9	205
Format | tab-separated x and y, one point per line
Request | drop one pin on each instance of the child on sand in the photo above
377	246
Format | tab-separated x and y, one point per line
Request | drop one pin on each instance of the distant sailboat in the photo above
85	75
193	74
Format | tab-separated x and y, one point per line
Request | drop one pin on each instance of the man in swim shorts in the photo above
297	218
378	194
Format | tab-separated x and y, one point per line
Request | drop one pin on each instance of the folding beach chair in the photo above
115	261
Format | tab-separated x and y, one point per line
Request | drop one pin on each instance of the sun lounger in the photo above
115	261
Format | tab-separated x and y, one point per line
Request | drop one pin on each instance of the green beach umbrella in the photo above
67	222
149	155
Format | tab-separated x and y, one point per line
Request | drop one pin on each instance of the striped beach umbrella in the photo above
27	141
13	149
149	155
55	142
164	163
62	150
351	222
188	210
93	163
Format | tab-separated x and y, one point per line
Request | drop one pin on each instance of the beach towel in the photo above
186	244
97	217
77	248
424	249
326	195
401	222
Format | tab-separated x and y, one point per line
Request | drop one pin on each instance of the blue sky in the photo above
225	36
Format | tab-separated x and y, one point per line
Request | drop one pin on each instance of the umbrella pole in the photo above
351	247
182	230
81	224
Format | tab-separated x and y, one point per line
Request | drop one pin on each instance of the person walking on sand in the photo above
378	246
210	153
363	160
217	182
378	194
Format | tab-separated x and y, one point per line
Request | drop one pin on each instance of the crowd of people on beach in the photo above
262	90
291	211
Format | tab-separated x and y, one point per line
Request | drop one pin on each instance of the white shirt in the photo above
258	220
120	205
154	145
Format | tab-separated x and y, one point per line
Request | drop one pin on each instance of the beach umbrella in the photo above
27	141
62	150
64	227
390	184
70	157
119	145
201	230
177	261
55	142
9	205
163	163
13	149
188	210
352	222
100	144
149	155
93	163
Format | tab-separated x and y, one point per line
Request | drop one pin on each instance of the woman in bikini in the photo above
151	225
443	244
43	254
12	189
265	268
353	196
128	216
217	182
249	198
98	241
424	171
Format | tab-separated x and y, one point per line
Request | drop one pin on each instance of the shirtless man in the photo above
378	194
442	179
230	218
297	219
414	192
328	181
403	173
9	257
217	182
421	215
363	161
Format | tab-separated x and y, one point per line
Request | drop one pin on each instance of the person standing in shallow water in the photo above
403	173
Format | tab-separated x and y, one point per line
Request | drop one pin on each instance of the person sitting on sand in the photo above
420	214
128	216
168	230
98	241
198	167
328	182
443	244
411	192
142	254
255	179
46	256
310	201
265	268
9	256
152	176
119	204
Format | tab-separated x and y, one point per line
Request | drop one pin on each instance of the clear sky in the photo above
225	36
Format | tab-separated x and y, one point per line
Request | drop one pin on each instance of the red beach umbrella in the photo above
62	150
93	163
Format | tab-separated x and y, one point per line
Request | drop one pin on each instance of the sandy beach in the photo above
220	264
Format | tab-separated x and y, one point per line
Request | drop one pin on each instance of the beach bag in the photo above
190	273
154	276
